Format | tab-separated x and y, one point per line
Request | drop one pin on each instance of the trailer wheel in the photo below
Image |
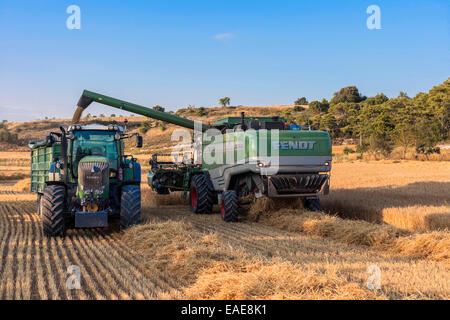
201	198
52	211
312	204
130	206
229	206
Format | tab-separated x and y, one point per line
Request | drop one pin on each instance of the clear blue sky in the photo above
169	52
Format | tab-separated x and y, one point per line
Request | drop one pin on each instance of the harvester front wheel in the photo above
201	198
229	206
52	211
130	206
312	204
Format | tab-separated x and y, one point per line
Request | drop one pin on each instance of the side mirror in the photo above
139	141
49	140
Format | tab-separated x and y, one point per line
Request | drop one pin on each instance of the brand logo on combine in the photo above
293	145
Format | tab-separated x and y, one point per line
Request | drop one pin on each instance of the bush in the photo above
298	108
162	125
145	126
380	143
348	150
6	136
422	149
201	112
362	148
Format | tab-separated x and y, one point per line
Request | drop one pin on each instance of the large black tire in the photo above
230	206
130	206
201	198
52	211
312	204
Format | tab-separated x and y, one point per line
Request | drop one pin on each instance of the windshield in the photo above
94	143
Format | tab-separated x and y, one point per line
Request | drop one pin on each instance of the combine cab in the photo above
236	157
83	178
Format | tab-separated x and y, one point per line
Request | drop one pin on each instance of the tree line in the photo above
379	123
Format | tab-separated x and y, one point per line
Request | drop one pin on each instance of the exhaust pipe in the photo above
63	159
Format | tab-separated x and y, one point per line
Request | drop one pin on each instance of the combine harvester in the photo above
263	156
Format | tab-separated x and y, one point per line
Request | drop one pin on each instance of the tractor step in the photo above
85	219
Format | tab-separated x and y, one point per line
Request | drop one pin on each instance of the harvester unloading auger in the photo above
236	157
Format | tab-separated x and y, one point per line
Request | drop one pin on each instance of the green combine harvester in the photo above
263	156
82	178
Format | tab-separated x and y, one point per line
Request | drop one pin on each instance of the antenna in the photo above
307	120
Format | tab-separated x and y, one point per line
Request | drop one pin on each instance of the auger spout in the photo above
88	97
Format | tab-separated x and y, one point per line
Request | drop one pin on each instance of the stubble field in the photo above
386	216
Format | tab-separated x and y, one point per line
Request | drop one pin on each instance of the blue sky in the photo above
176	53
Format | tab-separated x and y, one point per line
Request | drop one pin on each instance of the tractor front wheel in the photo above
52	211
201	198
229	206
130	206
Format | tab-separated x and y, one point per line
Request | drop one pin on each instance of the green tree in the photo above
319	107
158	108
224	101
301	101
403	94
376	124
328	123
347	94
437	104
378	99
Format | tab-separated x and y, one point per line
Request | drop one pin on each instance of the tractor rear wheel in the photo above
201	198
312	204
229	206
52	211
130	206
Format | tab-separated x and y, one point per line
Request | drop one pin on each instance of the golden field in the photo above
391	214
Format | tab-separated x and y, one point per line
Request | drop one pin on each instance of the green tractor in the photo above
83	178
236	157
